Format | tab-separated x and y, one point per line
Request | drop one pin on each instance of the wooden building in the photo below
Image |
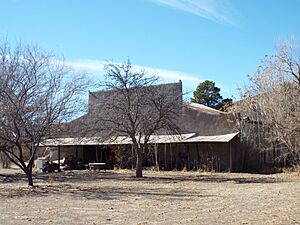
208	141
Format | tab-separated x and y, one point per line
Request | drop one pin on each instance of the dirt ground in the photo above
116	197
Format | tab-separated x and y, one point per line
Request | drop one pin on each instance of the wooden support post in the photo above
76	152
176	156
101	153
165	156
156	156
132	157
198	156
171	157
59	159
187	150
97	154
230	158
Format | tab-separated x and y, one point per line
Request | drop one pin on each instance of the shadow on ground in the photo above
113	185
92	176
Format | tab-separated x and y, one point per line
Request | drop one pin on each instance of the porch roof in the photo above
214	138
120	140
123	140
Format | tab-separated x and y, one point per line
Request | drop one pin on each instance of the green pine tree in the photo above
207	94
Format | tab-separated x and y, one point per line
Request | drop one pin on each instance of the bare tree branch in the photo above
134	106
37	93
272	100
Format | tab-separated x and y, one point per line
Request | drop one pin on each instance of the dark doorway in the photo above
89	154
104	154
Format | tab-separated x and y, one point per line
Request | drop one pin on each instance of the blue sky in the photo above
191	40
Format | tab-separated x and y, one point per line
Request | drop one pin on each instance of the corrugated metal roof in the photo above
215	138
120	140
170	138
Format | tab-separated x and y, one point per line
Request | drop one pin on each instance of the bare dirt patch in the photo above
84	197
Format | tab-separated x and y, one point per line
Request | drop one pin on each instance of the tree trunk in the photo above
139	161
28	173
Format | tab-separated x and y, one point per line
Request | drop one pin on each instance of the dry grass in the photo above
84	197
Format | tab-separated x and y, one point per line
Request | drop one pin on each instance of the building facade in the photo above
208	140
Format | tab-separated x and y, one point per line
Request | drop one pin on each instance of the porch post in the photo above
59	170
230	158
76	152
156	156
132	159
171	157
97	154
165	168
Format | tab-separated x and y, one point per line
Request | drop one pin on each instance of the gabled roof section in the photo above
206	121
204	108
97	97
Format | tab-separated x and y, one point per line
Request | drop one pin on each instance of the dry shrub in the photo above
50	179
297	169
293	169
4	161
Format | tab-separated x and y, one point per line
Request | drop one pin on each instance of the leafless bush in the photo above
269	113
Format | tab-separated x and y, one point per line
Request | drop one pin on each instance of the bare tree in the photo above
270	109
133	106
37	93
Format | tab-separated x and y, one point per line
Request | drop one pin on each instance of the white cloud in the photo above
97	67
219	11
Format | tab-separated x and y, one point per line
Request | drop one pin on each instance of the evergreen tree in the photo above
207	94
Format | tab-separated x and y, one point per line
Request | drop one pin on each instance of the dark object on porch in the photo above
72	163
110	164
50	167
97	166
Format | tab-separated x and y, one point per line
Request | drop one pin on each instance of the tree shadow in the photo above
110	185
12	178
90	176
105	193
217	179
